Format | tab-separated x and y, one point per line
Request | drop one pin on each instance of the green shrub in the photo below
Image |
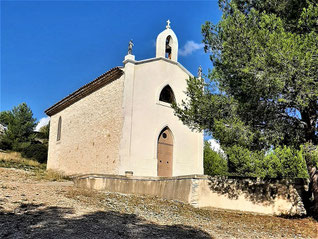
285	162
214	163
281	162
4	144
243	162
310	153
37	152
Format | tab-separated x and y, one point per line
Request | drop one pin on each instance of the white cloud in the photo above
190	47
44	121
215	146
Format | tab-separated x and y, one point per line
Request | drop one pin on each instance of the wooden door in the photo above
165	153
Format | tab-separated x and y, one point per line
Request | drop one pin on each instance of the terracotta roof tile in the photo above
109	76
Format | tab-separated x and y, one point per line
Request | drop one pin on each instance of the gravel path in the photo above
31	208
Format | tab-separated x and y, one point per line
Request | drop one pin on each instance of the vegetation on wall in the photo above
262	94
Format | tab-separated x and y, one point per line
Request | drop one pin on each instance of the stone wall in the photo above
273	197
91	133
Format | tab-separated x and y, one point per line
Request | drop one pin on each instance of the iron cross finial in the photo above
168	24
200	72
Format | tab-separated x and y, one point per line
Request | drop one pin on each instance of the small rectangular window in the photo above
59	128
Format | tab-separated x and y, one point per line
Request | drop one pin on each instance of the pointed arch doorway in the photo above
165	153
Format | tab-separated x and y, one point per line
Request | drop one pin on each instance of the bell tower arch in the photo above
167	44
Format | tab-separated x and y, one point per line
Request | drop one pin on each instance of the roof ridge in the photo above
97	83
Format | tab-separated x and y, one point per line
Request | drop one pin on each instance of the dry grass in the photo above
15	160
212	219
304	227
50	175
86	195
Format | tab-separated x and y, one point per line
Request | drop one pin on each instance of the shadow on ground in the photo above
38	221
258	191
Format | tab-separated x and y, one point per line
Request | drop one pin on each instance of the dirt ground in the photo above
34	208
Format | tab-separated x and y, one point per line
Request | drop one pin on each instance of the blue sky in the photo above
51	48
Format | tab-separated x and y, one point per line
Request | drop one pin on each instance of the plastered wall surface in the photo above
145	116
250	195
266	197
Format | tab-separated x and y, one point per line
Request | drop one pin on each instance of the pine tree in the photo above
263	89
20	128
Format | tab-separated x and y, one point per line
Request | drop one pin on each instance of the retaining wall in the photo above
274	197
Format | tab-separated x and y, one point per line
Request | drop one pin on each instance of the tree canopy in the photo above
20	127
20	136
264	85
262	92
214	162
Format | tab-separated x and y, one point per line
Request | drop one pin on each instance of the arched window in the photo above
167	95
168	47
59	128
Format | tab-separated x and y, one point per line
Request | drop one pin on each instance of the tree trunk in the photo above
310	129
313	187
312	198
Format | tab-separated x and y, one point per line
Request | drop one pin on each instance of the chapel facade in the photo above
123	121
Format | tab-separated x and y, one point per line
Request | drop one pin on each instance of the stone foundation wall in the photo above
274	197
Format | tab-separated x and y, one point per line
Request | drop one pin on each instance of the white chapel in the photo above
122	121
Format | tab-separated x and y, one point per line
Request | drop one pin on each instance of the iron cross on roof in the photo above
168	24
